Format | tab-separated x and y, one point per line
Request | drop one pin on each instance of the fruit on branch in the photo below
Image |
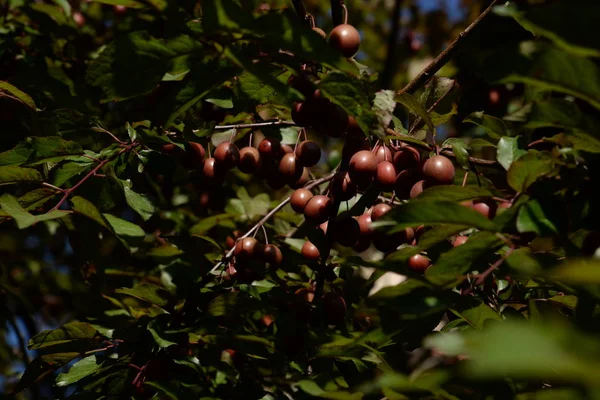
194	155
308	153
379	211
330	119
386	242
365	233
345	231
342	188
310	251
363	168
346	39
302	84
231	240
418	188
272	255
439	170
324	227
386	176
269	148
334	307
353	145
486	207
354	131
299	199
320	32
305	295
405	180
213	172
285	149
383	153
170	149
299	114
290	168
406	157
227	155
318	209
460	240
419	263
302	181
249	160
247	248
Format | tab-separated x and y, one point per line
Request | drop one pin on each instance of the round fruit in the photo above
438	170
305	294
363	168
318	209
310	251
249	160
272	254
302	84
299	115
290	168
309	153
213	172
386	176
346	39
302	181
379	211
195	154
227	155
385	242
460	240
405	181
419	263
269	147
353	131
364	224
334	306
320	31
299	199
383	153
276	180
485	207
247	248
169	148
345	231
342	188
285	149
417	189
230	241
406	157
329	119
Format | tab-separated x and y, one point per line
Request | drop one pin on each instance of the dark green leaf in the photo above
579	272
223	304
147	292
509	151
67	333
126	3
81	369
313	389
11	174
460	149
439	234
124	228
158	334
494	127
529	168
6	89
414	106
42	366
454	193
477	316
139	203
10	205
68	170
85	207
533	219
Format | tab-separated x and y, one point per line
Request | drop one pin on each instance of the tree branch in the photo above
255	125
481	277
22	346
268	216
445	55
390	62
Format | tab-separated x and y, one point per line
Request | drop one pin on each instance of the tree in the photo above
194	195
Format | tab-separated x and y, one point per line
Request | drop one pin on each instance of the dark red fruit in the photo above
417	189
249	160
227	155
290	168
419	263
345	231
385	242
299	199
310	251
299	115
346	39
195	155
342	188
364	224
272	254
405	181
439	170
318	209
169	149
379	211
353	131
285	149
269	147
406	157
353	146
330	120
334	306
383	153
320	31
324	227
309	153
460	240
302	84
213	172
247	248
363	168
386	176
486	207
230	241
302	181
275	180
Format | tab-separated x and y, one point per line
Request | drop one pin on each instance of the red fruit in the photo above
302	181
318	209
247	248
334	306
346	39
227	155
310	251
169	149
366	233
342	188
290	168
389	242
354	132
285	149
195	155
417	189
269	147
383	153
331	120
405	181
213	172
438	170
419	263
406	157
379	211
249	160
305	294
362	168
460	240
345	231
302	84
272	254
309	153
299	199
485	207
320	31
386	176
299	115
230	241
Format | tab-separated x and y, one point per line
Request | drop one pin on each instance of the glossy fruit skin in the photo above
299	199
269	147
318	209
405	180
169	149
213	172
299	115
230	241
363	168
486	207
285	149
272	254
227	155
383	153
379	211
195	154
304	178
419	263
335	307
342	187
249	160
247	248
439	170
345	231
406	157
418	188
290	168
353	145
308	153
460	240
386	176
366	233
310	251
346	39
354	131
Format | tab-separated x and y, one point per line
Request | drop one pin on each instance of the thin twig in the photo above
116	139
430	109
481	277
53	187
267	217
255	125
22	347
445	55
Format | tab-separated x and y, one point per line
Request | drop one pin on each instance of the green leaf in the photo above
459	260
313	389
430	212
210	222
384	106
124	228
81	369
126	3
157	332
477	316
147	292
10	205
454	193
224	304
533	219
42	366
579	272
68	170
509	151
559	113
12	174
169	390
69	332
439	234
139	203
6	89
86	208
529	168
460	149
494	127
414	106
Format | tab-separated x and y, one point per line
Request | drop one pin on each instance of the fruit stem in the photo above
345	12
265	233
